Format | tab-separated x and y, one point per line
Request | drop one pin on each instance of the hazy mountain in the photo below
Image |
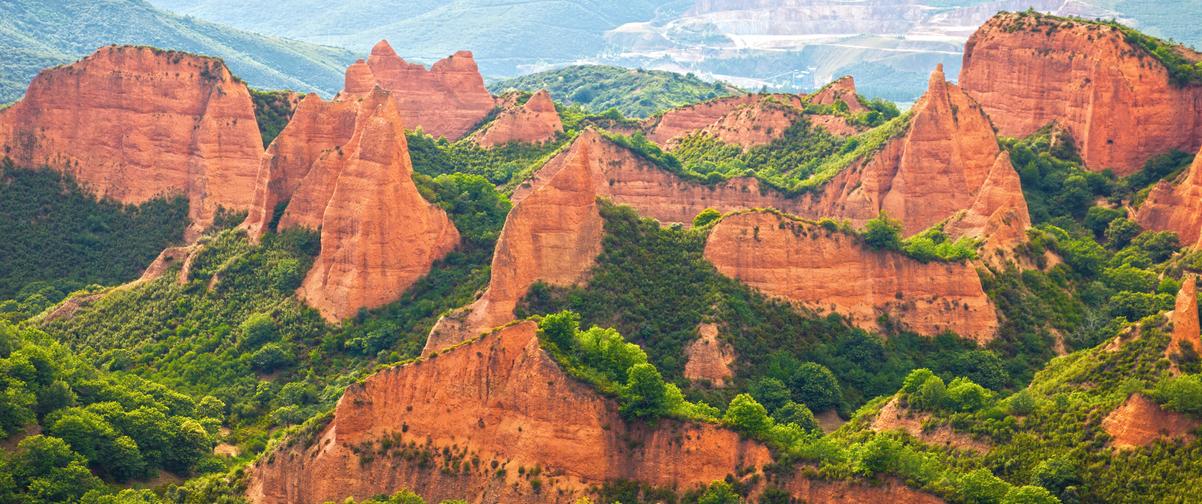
35	34
889	45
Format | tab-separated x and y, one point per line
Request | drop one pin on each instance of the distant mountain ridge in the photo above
35	34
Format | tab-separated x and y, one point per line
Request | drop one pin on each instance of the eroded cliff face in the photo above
1186	330
709	358
437	426
1176	208
843	90
446	100
831	271
553	234
1139	421
1115	98
536	121
946	167
132	123
499	398
378	235
746	121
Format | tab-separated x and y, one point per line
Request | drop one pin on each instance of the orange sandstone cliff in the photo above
1115	98
830	270
1139	421
132	123
947	166
446	100
1176	208
378	235
536	121
462	424
1186	330
746	121
553	234
843	90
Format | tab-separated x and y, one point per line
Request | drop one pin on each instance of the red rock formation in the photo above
1186	330
1139	421
446	100
501	398
133	123
318	130
535	122
946	163
746	121
708	358
1176	208
378	235
841	90
553	234
893	416
169	257
1114	97
831	270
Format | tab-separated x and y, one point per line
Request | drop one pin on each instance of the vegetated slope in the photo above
634	93
35	34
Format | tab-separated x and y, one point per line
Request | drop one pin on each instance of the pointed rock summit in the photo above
132	123
1176	208
447	100
535	122
1186	330
1118	101
842	90
343	167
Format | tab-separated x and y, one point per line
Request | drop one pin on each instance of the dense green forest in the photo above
634	93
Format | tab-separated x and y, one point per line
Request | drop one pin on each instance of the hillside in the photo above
634	93
40	34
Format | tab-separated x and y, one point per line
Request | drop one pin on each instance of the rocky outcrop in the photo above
1176	208
167	259
832	271
317	134
1115	98
946	165
501	399
472	422
447	100
709	359
843	90
535	122
1186	330
132	123
378	235
895	417
746	120
1139	421
553	234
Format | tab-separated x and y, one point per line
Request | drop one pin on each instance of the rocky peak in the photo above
1176	208
746	121
1186	330
535	122
133	123
1139	422
378	235
446	100
1115	98
843	90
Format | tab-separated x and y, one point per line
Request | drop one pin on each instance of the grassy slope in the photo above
35	34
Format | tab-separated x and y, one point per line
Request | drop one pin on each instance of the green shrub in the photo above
883	233
747	415
705	217
1183	393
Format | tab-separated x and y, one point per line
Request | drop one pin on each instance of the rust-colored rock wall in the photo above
1139	421
499	398
1176	208
746	121
502	398
1186	330
835	272
133	123
378	235
446	100
843	90
708	358
1115	98
535	122
947	165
